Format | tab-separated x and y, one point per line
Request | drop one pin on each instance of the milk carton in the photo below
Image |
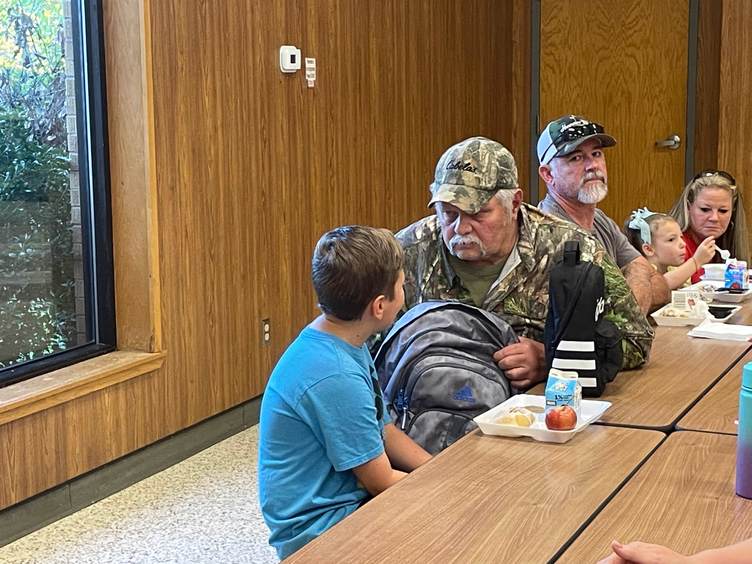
736	274
562	391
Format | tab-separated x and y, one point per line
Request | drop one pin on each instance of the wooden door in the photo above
623	64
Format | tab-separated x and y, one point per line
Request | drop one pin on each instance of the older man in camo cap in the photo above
485	247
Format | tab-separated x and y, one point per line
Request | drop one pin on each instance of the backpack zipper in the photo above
401	406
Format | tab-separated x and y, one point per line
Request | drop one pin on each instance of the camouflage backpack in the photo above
437	370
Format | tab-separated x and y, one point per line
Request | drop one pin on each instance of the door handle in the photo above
673	142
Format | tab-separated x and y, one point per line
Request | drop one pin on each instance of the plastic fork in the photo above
725	255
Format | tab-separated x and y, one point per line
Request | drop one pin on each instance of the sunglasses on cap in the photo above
575	130
578	129
712	172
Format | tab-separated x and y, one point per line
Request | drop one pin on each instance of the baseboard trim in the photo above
39	511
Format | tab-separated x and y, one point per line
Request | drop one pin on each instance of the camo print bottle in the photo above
744	439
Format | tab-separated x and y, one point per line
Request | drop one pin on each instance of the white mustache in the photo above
464	240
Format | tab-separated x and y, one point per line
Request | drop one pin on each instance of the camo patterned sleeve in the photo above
423	277
625	313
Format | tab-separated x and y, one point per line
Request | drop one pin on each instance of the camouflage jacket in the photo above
521	298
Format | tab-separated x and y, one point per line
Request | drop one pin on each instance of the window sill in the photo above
66	384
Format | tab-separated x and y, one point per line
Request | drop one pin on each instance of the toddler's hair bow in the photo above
637	221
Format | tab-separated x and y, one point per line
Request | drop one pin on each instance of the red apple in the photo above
561	418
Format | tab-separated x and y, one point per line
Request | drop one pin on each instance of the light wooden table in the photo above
744	317
683	497
718	410
681	369
489	499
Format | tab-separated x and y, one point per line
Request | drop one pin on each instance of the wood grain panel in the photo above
71	382
683	497
623	64
708	84
252	166
489	499
521	92
48	448
134	212
718	410
736	84
680	370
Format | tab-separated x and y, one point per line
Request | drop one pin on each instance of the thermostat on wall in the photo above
289	58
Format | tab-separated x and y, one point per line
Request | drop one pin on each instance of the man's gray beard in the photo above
592	193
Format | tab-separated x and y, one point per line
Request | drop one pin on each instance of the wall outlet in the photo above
266	331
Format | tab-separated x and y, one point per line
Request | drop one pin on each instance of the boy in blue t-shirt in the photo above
326	442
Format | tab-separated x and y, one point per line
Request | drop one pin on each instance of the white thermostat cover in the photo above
289	58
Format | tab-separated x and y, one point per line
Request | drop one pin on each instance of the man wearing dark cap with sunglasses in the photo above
485	247
573	166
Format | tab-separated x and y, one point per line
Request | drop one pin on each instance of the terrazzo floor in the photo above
202	510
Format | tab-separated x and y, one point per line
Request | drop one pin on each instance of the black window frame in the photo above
96	221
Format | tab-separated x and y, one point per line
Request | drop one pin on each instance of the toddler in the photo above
659	238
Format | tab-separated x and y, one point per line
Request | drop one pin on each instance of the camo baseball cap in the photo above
469	173
564	135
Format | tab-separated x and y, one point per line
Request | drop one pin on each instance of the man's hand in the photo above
524	363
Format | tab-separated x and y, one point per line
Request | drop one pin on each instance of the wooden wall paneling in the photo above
735	85
708	84
27	459
261	86
520	107
196	87
134	217
50	447
173	163
237	57
293	199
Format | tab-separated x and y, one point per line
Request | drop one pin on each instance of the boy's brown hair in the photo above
351	266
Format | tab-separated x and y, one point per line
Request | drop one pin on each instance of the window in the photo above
56	282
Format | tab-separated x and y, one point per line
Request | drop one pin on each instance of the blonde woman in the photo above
711	206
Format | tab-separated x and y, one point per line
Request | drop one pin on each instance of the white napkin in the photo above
722	331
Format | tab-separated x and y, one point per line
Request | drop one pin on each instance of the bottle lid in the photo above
747	376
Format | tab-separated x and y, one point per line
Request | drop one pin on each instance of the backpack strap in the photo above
564	320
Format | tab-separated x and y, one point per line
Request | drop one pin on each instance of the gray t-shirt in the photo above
604	230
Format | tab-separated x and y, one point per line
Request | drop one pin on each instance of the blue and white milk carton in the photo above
563	399
736	274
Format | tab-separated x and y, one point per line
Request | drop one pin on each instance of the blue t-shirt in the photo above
318	421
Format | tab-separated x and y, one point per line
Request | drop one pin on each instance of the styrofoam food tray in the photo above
718	296
713	271
665	321
590	410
